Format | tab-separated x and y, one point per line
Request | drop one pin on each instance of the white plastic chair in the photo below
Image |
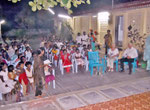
86	64
62	66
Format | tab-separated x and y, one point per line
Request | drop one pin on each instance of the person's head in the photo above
28	64
34	54
113	46
42	51
21	65
108	31
84	33
65	51
77	50
130	45
23	59
10	68
17	51
3	66
78	34
27	48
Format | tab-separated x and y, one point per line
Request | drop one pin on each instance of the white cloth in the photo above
8	81
78	39
28	55
3	88
130	52
11	52
85	39
113	52
30	75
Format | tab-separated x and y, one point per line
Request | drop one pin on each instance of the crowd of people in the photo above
22	69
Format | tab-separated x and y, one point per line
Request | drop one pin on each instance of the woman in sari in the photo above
39	73
66	60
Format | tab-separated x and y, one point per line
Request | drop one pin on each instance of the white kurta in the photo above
30	75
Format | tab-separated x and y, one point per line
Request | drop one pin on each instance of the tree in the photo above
45	4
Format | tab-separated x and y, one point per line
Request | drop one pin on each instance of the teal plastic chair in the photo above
116	62
94	61
134	65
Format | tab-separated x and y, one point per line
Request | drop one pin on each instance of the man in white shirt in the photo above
78	38
128	56
84	39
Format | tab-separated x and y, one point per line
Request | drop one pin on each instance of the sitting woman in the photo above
4	73
66	60
113	53
78	57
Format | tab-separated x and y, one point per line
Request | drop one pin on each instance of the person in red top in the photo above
22	77
66	60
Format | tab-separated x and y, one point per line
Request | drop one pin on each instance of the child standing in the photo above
23	77
29	73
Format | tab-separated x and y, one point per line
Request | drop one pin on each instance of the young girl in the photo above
66	60
78	57
47	70
22	77
11	72
29	73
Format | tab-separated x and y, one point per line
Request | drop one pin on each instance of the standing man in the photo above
78	38
84	39
108	41
128	56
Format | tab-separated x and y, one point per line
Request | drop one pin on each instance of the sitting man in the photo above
128	56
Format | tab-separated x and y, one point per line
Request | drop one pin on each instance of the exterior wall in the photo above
137	18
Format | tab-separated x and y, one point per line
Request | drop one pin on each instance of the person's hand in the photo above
128	57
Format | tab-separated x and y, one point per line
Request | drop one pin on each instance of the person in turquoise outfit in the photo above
147	53
93	41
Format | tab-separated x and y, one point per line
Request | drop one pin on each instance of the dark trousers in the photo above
106	49
130	61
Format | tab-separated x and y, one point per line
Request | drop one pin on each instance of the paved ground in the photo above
80	89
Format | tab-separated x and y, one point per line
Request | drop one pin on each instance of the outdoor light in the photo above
103	16
94	16
50	10
64	16
2	21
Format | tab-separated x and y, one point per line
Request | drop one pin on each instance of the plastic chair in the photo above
134	65
86	64
62	66
116	62
94	61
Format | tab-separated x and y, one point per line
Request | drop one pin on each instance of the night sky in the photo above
8	10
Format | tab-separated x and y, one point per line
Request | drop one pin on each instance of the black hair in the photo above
21	63
10	68
22	58
28	63
38	52
1	66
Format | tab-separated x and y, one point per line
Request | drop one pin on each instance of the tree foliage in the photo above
45	4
